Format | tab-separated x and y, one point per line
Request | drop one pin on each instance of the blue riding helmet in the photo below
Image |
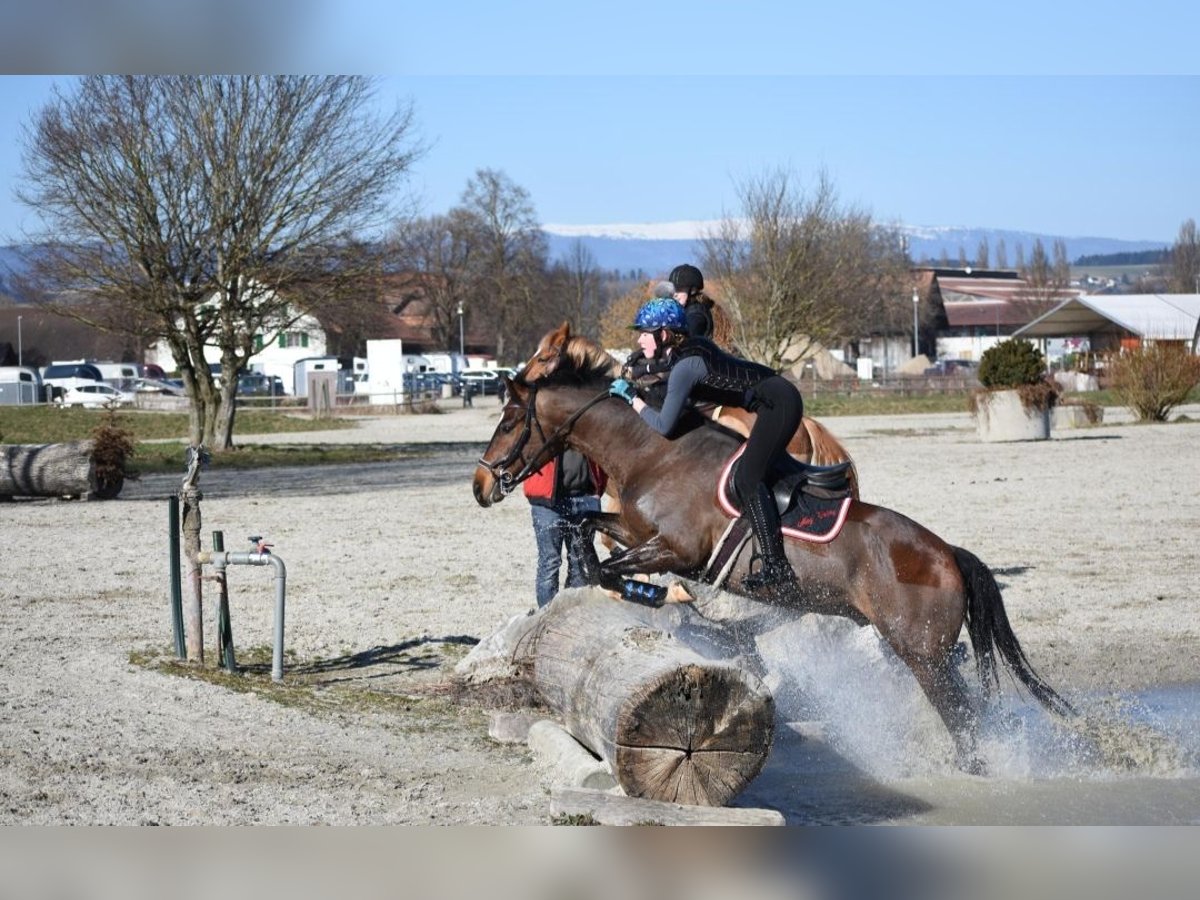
660	313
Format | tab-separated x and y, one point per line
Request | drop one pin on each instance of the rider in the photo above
688	282
700	370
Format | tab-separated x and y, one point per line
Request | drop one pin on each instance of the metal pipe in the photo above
176	576
242	558
224	625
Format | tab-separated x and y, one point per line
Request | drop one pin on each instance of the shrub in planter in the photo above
1018	365
1015	401
112	447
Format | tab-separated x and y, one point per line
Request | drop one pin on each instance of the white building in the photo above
277	352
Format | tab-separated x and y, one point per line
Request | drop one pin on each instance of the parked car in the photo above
480	381
96	396
963	368
58	377
156	386
255	384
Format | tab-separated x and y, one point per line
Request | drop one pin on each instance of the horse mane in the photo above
580	359
589	359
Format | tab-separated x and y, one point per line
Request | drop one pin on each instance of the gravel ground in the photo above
394	572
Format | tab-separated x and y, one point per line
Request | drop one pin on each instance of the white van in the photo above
20	385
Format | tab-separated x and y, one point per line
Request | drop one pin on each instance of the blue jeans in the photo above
552	529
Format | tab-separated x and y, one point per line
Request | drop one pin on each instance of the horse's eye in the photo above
506	427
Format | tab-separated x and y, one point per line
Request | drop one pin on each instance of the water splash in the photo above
874	714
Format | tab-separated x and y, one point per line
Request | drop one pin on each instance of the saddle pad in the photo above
810	518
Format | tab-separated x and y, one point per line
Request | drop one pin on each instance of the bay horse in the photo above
812	443
883	568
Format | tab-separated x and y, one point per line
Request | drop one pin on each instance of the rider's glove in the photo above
623	389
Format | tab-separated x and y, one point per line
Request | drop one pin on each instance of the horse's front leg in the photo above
609	524
649	556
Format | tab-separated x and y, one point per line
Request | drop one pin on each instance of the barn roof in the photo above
1161	316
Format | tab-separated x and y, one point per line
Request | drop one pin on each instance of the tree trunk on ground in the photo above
672	724
47	470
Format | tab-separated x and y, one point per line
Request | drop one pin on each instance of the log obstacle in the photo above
672	724
48	470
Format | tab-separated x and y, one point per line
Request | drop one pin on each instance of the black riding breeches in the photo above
779	410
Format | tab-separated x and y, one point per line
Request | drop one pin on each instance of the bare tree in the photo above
1185	260
509	269
1001	254
982	256
799	268
575	286
440	251
211	210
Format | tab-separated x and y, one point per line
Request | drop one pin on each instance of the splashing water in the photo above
874	714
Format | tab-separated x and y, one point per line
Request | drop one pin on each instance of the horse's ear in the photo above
559	336
513	387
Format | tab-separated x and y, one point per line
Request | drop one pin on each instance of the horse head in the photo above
508	452
528	434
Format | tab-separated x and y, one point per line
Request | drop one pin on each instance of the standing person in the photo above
700	370
688	282
567	486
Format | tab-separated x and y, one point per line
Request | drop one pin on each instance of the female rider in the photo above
700	370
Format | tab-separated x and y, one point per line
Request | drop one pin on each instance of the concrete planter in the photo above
1070	416
1000	416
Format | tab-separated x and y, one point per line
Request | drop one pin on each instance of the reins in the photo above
507	482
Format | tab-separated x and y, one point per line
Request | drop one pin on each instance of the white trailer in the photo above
302	367
447	363
21	385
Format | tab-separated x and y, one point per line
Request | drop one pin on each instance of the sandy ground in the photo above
1093	536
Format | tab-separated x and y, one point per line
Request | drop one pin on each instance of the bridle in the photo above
549	449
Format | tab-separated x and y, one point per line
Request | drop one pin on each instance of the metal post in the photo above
461	342
20	350
176	576
224	624
916	326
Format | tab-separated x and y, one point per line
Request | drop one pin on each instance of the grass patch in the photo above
316	690
825	406
168	458
51	425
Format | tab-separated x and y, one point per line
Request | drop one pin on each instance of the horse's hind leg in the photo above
948	693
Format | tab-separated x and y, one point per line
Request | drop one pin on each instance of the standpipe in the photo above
220	559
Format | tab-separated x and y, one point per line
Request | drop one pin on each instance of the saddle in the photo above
788	481
812	500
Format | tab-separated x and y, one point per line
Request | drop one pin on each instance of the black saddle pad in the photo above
813	501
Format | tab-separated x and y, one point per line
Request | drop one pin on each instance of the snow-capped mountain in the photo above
655	248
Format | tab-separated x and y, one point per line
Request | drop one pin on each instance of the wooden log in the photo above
47	470
671	724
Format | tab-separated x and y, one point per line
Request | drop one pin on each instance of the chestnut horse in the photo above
883	568
812	443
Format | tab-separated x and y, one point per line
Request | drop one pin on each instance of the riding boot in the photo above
775	579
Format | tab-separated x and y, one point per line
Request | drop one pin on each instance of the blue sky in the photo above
1080	119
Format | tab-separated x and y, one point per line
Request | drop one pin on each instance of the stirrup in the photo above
774	578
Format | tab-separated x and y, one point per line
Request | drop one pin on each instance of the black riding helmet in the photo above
686	278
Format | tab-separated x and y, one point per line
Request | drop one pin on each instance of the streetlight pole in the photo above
916	300
461	343
20	352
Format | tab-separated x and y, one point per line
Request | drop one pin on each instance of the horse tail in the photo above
828	450
990	632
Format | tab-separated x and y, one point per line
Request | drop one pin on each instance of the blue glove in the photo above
623	389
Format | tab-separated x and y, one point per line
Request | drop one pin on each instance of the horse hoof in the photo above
972	765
